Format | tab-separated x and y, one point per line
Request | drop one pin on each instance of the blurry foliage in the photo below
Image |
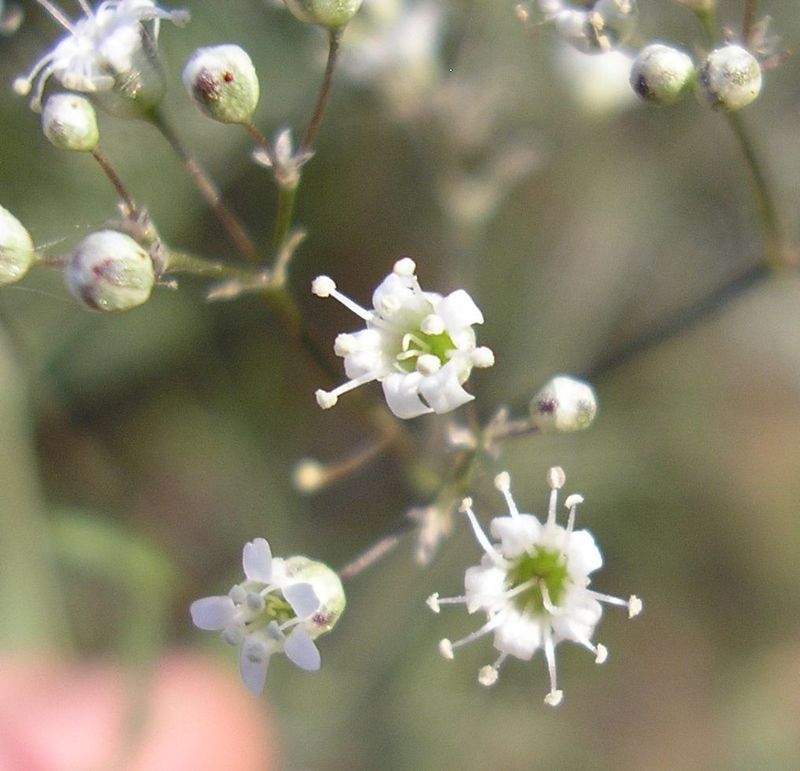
177	425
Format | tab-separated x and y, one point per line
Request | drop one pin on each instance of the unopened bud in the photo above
564	404
662	74
70	123
109	271
327	587
328	13
730	78
16	248
223	82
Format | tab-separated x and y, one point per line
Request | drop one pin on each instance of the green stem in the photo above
208	189
287	195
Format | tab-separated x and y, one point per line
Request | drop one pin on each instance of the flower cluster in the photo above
533	585
282	606
419	345
97	48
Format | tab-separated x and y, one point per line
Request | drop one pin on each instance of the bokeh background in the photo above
138	452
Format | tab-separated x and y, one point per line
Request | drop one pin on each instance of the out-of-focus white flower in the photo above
282	606
592	26
599	84
394	45
533	585
98	48
419	345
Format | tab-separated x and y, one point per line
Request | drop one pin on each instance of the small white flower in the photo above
280	607
533	586
419	345
97	48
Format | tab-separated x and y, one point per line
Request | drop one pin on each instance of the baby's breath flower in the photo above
419	345
729	78
69	122
533	585
282	606
98	49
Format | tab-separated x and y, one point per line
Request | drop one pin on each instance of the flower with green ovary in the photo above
282	606
533	585
97	49
419	345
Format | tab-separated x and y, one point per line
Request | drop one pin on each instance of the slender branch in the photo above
208	190
373	554
335	37
116	181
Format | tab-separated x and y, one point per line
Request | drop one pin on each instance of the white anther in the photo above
323	286
554	698
345	344
556	478
446	648
482	357
466	503
325	399
502	481
428	364
433	602
405	267
634	606
309	475
601	654
432	325
573	500
487	675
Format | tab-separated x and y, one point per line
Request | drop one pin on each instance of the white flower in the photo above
419	345
280	607
97	48
533	586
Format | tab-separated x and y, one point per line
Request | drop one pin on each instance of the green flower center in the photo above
414	344
277	609
547	568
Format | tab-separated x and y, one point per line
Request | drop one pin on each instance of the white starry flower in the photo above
282	606
533	586
419	345
97	49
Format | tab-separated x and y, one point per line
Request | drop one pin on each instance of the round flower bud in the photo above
109	271
16	248
70	123
662	74
564	404
327	587
328	13
223	83
730	78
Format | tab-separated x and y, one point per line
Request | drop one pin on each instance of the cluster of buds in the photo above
728	79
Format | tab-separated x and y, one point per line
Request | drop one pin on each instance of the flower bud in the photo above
328	13
662	74
730	78
16	248
564	404
327	587
223	83
70	123
109	271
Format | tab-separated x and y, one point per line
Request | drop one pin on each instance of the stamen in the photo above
405	267
555	696
326	399
488	675
572	504
325	286
58	15
487	628
434	601
432	325
633	603
634	606
87	9
503	483
428	364
446	649
482	357
466	507
546	601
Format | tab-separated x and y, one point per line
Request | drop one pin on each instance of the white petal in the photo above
580	616
394	290
212	613
257	561
302	598
458	310
253	661
402	397
518	635
517	534
301	651
443	391
583	556
484	587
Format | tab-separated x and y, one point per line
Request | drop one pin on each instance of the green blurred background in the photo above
138	452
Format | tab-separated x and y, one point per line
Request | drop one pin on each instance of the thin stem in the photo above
373	554
208	190
335	37
749	21
283	221
116	181
776	251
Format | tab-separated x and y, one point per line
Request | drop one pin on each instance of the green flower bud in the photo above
662	74
223	83
327	587
564	404
730	78
109	271
328	13
16	248
70	123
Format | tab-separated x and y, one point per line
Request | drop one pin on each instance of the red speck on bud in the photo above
228	77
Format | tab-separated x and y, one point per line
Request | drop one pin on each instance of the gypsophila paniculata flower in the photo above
533	585
98	48
419	345
282	606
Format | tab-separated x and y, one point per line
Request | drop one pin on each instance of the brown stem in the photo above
749	21
372	555
324	91
114	178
